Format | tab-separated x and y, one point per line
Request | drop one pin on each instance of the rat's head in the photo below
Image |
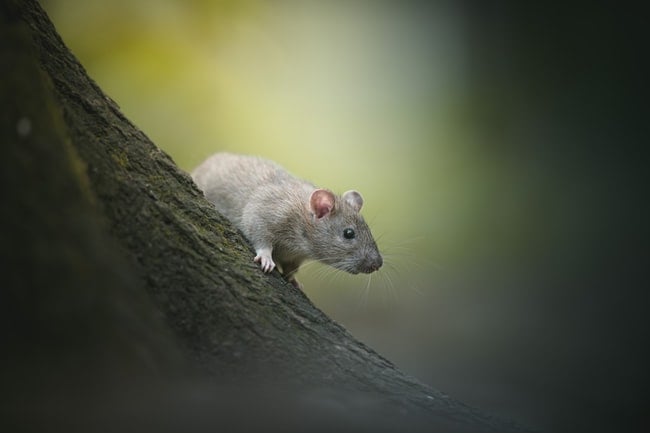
341	238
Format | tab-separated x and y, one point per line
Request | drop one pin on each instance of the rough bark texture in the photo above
127	300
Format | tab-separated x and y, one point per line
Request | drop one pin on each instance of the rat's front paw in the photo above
263	257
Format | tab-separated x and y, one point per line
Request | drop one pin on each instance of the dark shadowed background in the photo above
499	148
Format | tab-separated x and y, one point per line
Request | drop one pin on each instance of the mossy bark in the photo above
118	277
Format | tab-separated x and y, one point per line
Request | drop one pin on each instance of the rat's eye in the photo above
349	234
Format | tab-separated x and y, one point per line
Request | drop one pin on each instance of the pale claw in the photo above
265	261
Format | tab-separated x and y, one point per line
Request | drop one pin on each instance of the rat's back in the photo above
229	181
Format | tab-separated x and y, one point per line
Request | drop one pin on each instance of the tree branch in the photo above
143	278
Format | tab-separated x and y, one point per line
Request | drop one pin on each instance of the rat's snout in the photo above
372	263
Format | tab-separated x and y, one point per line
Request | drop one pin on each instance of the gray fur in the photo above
273	210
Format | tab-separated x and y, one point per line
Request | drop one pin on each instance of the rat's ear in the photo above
354	199
321	202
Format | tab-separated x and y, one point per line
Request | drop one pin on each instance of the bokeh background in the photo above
498	147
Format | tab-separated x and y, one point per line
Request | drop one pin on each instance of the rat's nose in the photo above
378	263
375	263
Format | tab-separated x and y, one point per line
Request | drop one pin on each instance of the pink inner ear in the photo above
321	202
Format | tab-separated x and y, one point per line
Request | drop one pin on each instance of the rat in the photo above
288	220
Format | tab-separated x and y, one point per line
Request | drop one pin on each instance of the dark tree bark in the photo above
127	298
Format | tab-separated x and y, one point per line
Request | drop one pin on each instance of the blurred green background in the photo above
490	142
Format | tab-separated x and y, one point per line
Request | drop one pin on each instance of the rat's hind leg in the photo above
289	269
